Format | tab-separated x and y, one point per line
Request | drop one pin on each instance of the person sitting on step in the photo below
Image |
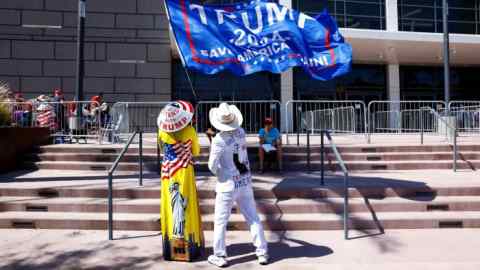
270	148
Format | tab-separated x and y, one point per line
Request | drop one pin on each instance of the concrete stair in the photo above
150	222
357	158
291	203
265	206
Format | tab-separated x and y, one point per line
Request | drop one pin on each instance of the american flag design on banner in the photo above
176	156
47	119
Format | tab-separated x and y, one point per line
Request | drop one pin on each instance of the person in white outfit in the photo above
229	162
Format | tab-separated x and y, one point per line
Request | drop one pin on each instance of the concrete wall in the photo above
36	60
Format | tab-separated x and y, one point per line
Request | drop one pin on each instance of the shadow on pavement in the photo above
285	248
125	237
45	258
368	188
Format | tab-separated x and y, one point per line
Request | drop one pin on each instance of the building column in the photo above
393	70
286	88
393	82
391	12
286	94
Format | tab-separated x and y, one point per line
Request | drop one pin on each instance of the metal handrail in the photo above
455	135
112	170
346	184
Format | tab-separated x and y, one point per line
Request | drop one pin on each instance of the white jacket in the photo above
221	163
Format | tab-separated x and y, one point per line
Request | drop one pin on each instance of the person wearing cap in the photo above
270	144
228	160
59	108
23	110
179	212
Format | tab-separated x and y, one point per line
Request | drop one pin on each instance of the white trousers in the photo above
243	196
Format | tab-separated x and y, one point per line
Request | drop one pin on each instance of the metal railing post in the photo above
322	157
308	152
287	120
421	127
299	124
110	206
368	124
110	181
346	184
140	157
345	206
455	150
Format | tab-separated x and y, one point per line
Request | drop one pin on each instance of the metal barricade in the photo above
342	119
467	116
403	117
61	118
254	112
66	124
128	116
17	114
338	116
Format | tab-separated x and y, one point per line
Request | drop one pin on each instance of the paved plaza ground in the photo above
396	249
438	249
422	249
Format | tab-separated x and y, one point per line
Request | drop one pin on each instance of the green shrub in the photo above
5	117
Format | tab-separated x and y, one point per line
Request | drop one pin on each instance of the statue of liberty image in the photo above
179	205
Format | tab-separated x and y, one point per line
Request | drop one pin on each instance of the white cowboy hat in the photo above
226	117
43	98
175	116
44	107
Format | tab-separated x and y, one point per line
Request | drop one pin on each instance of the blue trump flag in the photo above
257	36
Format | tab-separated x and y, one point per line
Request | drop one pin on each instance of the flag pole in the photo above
80	52
446	53
182	59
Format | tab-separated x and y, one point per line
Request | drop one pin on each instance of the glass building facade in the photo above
224	85
364	82
426	83
366	14
426	16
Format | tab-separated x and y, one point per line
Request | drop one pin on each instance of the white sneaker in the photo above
263	259
217	261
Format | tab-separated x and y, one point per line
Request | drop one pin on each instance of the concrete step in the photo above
400	156
311	189
89	157
109	149
385	156
408	148
332	165
150	222
266	206
385	148
90	166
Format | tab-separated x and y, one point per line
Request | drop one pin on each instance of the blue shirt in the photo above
272	136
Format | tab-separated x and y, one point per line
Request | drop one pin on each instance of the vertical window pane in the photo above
364	82
224	85
366	14
427	16
427	82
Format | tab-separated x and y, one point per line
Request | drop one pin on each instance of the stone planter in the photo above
17	141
